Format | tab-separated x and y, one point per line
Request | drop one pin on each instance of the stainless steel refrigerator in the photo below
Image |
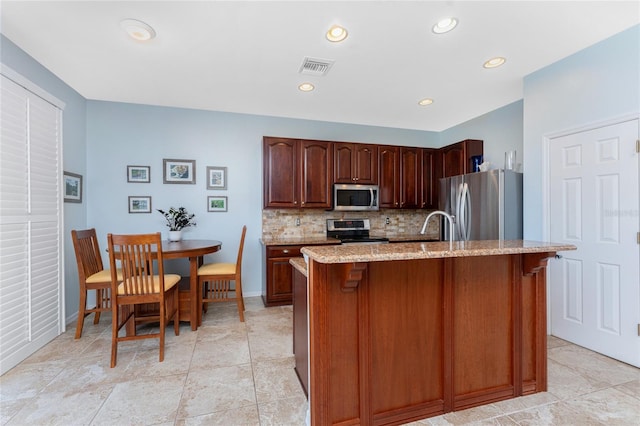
485	205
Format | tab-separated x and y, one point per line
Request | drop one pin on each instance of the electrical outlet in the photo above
387	221
297	221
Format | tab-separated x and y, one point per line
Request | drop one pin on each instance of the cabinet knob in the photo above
285	251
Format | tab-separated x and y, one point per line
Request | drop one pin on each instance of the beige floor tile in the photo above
275	379
208	390
609	407
243	416
631	388
144	401
62	408
27	380
284	412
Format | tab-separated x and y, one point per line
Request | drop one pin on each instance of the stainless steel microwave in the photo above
354	197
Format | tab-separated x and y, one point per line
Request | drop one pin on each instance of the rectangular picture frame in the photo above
216	204
138	174
139	204
72	187
179	171
216	177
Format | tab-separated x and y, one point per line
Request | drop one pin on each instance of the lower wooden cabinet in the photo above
277	287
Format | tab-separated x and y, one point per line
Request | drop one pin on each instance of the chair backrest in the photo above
240	250
139	257
85	245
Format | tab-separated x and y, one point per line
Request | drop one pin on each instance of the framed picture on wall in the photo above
216	177
72	187
179	171
139	204
140	174
216	204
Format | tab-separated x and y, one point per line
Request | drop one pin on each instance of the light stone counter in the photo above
428	250
299	264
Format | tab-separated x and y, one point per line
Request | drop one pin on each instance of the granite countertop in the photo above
427	250
299	264
301	241
324	240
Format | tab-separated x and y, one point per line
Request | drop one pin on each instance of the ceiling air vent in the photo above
313	66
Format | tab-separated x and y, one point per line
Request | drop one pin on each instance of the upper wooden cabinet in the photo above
428	179
410	174
389	175
456	158
400	171
297	173
355	163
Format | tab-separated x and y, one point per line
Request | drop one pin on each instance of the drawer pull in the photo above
285	251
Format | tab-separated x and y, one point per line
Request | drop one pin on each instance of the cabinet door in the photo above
280	182
343	159
365	163
316	168
456	158
389	175
453	160
428	180
279	279
409	178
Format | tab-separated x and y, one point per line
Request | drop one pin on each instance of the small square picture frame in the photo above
179	171
72	187
216	177
216	203
138	174
139	204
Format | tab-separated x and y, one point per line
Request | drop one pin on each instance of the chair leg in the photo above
163	321
176	314
240	299
114	334
81	313
99	304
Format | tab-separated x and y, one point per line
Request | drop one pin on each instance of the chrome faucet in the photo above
449	218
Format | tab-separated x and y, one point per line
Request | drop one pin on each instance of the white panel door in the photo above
594	193
30	223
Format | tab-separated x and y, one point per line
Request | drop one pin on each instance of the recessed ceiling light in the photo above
336	33
494	62
425	102
306	87
445	25
137	30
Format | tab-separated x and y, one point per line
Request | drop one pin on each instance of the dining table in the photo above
194	250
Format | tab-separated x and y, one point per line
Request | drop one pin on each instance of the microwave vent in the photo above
317	67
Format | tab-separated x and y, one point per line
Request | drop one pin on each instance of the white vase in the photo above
175	235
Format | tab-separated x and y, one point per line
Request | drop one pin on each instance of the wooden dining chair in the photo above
91	276
215	281
143	281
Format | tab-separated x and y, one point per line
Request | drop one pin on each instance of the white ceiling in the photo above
242	56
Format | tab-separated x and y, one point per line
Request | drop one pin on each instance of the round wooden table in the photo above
194	250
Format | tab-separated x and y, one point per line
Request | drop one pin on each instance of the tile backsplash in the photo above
282	223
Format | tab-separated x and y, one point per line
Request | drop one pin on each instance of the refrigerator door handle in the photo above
459	215
466	208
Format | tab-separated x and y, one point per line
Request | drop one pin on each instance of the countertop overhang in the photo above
427	250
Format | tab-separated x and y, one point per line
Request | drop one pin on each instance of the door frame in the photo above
546	181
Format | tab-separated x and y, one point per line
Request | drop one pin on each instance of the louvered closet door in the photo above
30	224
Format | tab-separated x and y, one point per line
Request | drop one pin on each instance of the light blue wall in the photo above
74	150
120	134
501	131
598	83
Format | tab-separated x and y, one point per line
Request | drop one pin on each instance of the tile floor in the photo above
229	373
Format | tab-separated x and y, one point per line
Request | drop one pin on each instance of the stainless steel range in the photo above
352	231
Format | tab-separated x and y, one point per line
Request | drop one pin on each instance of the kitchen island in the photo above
400	332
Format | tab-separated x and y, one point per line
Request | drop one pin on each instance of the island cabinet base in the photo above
396	341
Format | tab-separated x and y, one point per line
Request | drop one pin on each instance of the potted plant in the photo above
177	220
